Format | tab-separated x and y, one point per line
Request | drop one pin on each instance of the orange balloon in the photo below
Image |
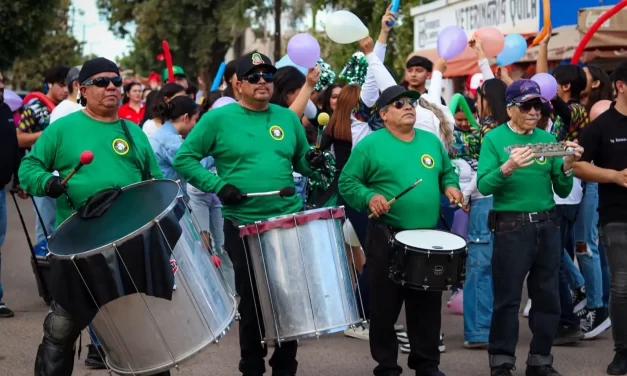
492	40
599	108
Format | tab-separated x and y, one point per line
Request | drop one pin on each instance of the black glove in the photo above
54	188
230	195
315	158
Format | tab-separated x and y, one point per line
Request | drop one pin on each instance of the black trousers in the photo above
568	215
55	355
253	352
525	243
422	312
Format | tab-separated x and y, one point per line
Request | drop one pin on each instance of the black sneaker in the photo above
567	335
579	299
597	321
545	370
94	360
618	365
5	312
503	370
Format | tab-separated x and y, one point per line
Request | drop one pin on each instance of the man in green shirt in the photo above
380	167
118	162
526	228
256	147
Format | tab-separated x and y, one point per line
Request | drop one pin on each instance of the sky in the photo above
93	30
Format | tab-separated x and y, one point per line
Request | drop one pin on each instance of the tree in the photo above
24	24
56	47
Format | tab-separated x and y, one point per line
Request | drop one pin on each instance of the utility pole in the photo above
277	30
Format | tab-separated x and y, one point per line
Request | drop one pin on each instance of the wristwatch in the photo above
568	172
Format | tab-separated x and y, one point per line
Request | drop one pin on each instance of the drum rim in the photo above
125	238
397	243
285	216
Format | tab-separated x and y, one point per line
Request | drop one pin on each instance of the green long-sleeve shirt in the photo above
528	189
383	164
115	165
256	151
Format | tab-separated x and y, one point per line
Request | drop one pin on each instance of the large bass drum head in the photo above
135	207
430	240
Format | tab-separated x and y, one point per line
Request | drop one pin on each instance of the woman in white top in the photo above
153	120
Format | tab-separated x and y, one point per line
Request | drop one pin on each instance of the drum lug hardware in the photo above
317	335
425	287
448	287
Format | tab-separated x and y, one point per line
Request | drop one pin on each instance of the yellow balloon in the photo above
323	119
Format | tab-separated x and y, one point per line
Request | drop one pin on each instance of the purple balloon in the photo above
12	100
460	224
452	42
548	85
223	101
303	50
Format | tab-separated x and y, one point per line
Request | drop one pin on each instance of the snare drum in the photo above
428	259
302	275
121	265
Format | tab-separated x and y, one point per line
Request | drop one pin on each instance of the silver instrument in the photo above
123	260
301	270
553	149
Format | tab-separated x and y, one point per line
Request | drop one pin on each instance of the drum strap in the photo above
143	162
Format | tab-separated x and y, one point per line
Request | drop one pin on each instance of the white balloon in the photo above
344	27
350	236
311	110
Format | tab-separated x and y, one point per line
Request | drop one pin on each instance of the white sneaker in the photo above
527	308
359	332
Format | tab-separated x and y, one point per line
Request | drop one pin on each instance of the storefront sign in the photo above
509	16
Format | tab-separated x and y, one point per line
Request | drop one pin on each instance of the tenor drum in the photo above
302	275
117	270
428	259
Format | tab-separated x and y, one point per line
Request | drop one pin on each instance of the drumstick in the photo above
285	192
323	119
86	158
399	196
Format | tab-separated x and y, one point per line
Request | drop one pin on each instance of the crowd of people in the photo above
556	223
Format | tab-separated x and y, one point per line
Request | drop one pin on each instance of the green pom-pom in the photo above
327	75
355	70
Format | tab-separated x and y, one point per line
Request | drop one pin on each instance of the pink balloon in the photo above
303	50
457	304
492	40
548	85
222	102
599	108
452	42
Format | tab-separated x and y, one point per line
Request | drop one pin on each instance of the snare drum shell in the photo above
302	276
437	265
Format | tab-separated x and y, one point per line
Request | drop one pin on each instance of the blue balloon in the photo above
287	62
514	50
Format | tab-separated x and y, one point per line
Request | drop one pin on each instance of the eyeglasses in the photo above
400	103
527	106
104	81
254	78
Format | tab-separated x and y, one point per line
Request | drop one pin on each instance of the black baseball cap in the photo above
392	93
247	63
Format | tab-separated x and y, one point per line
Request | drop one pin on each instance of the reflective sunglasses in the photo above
104	81
254	78
400	103
527	106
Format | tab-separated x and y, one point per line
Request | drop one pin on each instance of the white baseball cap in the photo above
475	82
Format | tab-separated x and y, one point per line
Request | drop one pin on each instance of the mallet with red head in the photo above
86	158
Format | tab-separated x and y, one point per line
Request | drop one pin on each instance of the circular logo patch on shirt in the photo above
276	132
427	161
120	146
541	160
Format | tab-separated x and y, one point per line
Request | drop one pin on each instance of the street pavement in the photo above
328	356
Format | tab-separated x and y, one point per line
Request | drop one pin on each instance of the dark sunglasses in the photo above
400	103
527	106
254	78
104	81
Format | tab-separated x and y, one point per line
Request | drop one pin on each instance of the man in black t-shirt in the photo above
605	144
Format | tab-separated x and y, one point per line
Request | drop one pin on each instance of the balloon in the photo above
287	62
223	101
546	9
344	27
452	42
218	79
350	236
548	85
514	50
41	96
599	108
13	100
492	40
304	50
457	304
168	59
593	29
460	224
